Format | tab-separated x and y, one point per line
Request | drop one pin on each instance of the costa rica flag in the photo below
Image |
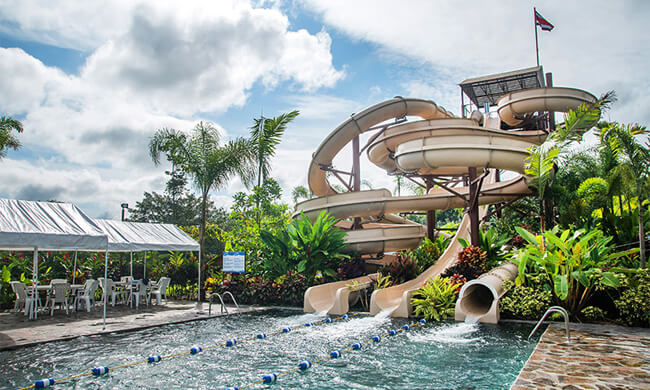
543	23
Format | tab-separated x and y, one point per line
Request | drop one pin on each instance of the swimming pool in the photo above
448	355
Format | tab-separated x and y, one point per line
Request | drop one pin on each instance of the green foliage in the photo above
428	252
403	269
288	289
266	134
383	281
312	249
182	292
317	246
526	302
492	243
7	139
573	262
436	299
592	314
472	262
634	301
594	191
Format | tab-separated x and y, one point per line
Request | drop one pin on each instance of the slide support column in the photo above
356	174
431	214
473	207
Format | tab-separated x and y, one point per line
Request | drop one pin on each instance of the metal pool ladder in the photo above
223	306
557	309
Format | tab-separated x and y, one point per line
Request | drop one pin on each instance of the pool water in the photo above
434	356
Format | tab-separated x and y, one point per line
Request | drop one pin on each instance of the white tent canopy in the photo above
28	225
137	236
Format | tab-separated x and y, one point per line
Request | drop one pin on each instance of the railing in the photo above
557	309
224	308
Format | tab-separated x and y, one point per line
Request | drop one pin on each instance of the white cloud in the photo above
597	46
169	66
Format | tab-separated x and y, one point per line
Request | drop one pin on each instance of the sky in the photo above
92	81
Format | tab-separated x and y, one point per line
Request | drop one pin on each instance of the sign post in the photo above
234	262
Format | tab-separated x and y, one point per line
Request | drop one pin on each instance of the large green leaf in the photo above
528	236
561	285
610	279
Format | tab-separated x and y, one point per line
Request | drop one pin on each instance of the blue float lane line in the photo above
332	355
47	382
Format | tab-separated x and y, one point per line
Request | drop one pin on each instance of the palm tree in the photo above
266	134
540	164
301	192
7	139
624	140
206	160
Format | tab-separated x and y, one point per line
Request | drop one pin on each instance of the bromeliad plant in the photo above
577	263
436	299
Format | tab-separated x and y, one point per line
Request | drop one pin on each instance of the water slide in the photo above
438	144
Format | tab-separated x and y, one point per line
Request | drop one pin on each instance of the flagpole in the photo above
535	25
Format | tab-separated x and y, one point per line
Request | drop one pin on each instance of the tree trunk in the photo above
541	215
641	233
204	204
620	205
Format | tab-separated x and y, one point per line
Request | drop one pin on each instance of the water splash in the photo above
385	313
469	319
459	333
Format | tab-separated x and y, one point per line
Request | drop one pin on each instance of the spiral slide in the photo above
438	144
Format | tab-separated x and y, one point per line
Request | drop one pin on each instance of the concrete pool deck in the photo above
18	331
598	357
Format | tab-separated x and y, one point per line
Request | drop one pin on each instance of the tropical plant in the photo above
404	268
312	249
540	164
493	244
626	141
527	302
472	263
301	192
209	163
634	302
382	281
7	139
573	261
436	299
318	245
266	134
428	252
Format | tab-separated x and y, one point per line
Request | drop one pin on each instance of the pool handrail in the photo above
223	305
557	309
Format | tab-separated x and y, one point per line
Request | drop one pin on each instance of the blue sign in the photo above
234	262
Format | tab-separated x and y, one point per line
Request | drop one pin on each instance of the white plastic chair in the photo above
58	294
58	281
160	290
108	285
87	295
138	290
24	298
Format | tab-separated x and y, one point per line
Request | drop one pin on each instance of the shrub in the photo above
428	252
436	299
575	263
401	270
592	313
471	264
634	302
524	302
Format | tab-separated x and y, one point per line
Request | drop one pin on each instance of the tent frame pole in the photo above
105	285
33	314
74	269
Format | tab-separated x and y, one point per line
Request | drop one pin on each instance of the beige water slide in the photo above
438	144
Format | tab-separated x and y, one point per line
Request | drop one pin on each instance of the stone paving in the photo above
17	331
598	357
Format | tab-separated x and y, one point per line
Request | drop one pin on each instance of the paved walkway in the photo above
598	357
17	331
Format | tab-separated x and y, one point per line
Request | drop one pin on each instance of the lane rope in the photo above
306	364
102	370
